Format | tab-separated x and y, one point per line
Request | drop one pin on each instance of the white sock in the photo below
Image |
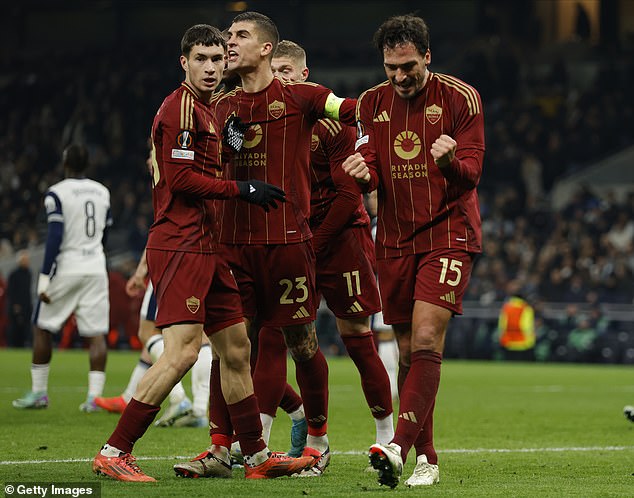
155	347
177	394
201	371
384	429
388	352
39	377
267	423
257	458
96	381
135	377
319	443
298	414
110	451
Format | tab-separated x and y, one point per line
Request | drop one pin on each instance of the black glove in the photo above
233	133
261	193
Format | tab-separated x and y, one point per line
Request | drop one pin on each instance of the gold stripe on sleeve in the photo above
330	126
465	90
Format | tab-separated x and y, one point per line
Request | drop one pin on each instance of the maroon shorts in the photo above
194	288
345	274
276	282
438	277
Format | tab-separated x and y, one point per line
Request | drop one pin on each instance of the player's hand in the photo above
233	133
355	167
443	150
135	286
263	194
43	281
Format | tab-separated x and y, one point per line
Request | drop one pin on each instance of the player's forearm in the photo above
339	214
53	243
372	182
186	181
141	268
465	170
347	112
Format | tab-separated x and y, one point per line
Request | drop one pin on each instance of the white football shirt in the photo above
83	205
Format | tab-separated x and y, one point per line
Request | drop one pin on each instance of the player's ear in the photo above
305	72
267	49
183	61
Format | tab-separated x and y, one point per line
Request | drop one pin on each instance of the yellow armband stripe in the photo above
331	109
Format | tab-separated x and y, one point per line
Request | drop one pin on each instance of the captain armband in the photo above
333	104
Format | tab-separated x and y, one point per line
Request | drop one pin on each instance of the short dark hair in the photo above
202	34
267	30
75	158
399	30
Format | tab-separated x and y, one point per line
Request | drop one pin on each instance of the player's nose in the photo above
400	75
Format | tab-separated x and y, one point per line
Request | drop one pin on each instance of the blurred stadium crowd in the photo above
543	123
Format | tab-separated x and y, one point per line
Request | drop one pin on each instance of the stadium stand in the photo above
549	116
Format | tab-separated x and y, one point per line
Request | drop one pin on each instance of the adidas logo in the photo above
382	118
301	313
377	409
320	419
410	416
450	297
355	308
251	189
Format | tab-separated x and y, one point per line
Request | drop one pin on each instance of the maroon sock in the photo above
291	401
403	370
374	380
269	376
245	416
424	443
134	421
312	378
221	428
417	397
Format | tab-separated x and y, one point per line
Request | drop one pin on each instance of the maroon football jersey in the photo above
186	175
421	206
336	200
275	150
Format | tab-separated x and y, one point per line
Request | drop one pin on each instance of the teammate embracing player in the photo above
194	286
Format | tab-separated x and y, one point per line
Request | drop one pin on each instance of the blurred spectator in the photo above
516	325
621	235
581	340
20	302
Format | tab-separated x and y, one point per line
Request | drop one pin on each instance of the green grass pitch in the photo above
508	430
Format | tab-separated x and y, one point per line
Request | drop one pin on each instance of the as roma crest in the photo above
314	142
276	108
193	304
433	113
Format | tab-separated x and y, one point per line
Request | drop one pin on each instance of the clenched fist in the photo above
443	150
355	167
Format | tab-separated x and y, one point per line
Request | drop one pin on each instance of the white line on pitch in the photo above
456	450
